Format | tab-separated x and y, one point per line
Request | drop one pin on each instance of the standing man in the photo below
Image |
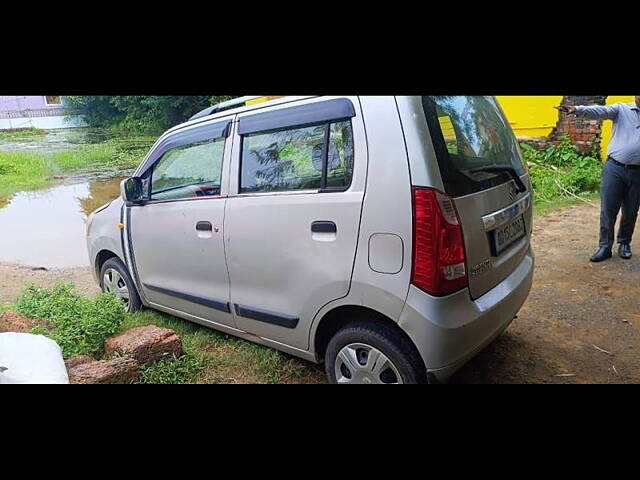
620	176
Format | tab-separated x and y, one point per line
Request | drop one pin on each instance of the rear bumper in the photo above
449	331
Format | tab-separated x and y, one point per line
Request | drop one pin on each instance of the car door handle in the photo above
324	227
204	227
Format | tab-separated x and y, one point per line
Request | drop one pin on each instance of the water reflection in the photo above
100	193
46	228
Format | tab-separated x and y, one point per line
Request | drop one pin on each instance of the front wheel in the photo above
372	353
115	278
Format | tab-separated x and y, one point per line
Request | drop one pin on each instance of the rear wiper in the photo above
503	168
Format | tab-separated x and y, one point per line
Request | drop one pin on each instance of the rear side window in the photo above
315	157
340	157
473	142
189	171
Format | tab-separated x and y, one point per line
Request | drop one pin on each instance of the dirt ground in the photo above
581	323
14	278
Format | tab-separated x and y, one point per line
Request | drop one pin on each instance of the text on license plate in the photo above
508	234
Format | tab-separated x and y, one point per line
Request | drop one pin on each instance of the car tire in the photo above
114	275
371	352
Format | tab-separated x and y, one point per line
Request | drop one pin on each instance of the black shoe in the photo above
602	254
624	251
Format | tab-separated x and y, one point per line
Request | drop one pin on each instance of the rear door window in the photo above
299	158
473	142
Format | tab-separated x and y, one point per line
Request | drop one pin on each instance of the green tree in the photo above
98	111
140	113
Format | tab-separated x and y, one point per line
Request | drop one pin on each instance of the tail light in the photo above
438	244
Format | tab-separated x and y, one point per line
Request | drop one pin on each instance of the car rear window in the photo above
469	134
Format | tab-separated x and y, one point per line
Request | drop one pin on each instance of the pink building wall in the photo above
25	102
32	111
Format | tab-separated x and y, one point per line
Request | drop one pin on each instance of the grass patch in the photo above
19	133
23	171
542	208
82	325
172	370
214	357
31	170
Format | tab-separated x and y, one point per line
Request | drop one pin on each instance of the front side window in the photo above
189	171
474	143
301	158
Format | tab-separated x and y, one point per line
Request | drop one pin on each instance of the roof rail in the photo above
218	107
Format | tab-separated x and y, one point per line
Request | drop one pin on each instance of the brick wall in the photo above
584	133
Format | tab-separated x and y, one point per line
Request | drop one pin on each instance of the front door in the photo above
177	237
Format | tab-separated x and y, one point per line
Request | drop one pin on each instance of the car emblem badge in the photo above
481	268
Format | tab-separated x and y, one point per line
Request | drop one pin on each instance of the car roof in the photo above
235	111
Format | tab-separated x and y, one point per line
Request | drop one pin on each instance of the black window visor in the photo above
307	114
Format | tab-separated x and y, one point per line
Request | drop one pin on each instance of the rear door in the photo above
482	170
293	214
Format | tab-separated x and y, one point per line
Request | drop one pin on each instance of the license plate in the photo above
508	234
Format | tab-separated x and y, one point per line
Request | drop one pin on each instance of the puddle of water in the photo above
46	228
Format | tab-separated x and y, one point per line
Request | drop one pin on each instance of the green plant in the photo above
220	358
564	154
82	325
172	370
6	168
561	171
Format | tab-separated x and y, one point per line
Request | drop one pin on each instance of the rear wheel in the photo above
115	278
371	353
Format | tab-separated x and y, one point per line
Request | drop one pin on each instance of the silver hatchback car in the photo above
388	237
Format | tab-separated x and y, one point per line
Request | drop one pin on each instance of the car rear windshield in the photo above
474	143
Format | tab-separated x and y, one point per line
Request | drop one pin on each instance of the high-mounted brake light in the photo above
438	244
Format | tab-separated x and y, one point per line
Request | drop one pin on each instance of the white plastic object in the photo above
27	358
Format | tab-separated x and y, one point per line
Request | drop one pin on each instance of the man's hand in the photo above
566	109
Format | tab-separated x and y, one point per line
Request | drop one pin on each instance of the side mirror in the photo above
132	191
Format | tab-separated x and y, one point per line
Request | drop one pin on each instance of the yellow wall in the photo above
534	116
607	125
531	116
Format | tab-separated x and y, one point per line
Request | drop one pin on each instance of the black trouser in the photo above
620	188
